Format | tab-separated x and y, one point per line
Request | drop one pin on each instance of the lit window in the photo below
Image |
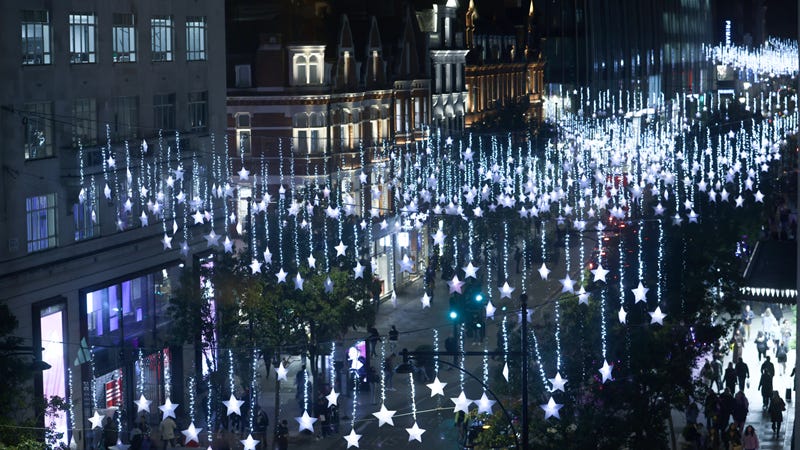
308	69
164	112
84	128
196	38
41	218
198	111
35	37
85	219
124	35
161	38
82	39
126	117
38	130
243	133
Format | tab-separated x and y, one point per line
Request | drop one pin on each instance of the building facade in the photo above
108	116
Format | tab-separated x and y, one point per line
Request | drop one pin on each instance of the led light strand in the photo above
436	352
253	389
167	376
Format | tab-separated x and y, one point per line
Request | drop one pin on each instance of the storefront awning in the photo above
771	273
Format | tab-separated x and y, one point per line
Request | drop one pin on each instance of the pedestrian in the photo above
741	407
725	411
776	409
282	435
732	438
373	339
110	434
738	345
388	371
781	354
393	335
730	378
167	429
711	409
136	437
262	425
765	384
692	411
750	438
761	345
747	320
742	374
717	373
770	325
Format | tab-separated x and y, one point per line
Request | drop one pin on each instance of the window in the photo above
82	39
38	130
126	117
198	111
243	76
196	38
85	219
84	129
308	69
161	38
243	133
164	112
41	217
124	35
35	37
309	132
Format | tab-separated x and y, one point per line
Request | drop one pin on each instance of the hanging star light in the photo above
212	239
461	403
352	438
438	238
599	273
490	310
583	297
484	404
455	284
168	409
298	282
306	422
657	316
255	266
470	271
567	285
340	249
244	174
551	409
544	271
437	387
358	270
191	433
142	404
328	285
312	262
96	420
557	383
622	315
384	416
506	290
426	300
605	371
415	433
281	372
333	397
281	275
640	293
505	371
250	443
234	405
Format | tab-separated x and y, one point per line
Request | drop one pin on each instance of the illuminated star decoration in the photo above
599	274
340	249
191	433
455	284
168	409
333	397
470	271
298	282
244	174
639	293
384	416
281	276
118	446
96	420
583	296
551	409
212	238
426	300
234	405
567	285
250	443
605	371
167	241
544	271
557	383
506	290
415	433
142	404
461	403
484	404
358	270
352	438
657	316
622	315
306	422
328	285
490	310
505	371
437	387
281	371
255	266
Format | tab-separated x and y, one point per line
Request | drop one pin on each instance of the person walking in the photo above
167	429
717	373
374	338
776	409
747	320
393	336
750	438
732	438
741	406
781	354
742	373
765	384
761	345
388	371
730	378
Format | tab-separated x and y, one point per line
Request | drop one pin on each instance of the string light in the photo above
167	376
253	389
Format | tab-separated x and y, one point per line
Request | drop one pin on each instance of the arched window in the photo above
314	71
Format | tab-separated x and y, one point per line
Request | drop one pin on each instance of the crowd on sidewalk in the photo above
729	422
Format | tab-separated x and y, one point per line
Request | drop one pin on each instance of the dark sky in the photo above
781	20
